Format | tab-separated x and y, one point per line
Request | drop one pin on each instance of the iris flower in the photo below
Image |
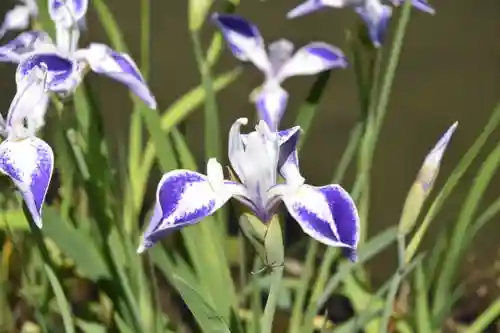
26	159
19	17
375	14
278	63
184	197
66	64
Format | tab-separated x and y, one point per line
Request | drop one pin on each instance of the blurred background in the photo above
449	71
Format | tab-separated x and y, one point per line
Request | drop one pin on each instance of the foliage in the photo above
91	228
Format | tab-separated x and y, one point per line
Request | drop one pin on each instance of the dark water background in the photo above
449	70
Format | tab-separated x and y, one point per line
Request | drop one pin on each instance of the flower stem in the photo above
275	259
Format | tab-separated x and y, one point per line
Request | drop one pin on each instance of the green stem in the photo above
275	258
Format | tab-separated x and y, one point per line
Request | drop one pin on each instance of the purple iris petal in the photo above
236	28
305	8
29	163
76	8
61	70
312	59
376	24
183	198
288	157
421	5
271	104
344	212
327	214
120	67
24	43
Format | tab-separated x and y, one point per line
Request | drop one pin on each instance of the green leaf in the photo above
122	325
76	245
456	248
62	302
307	111
198	10
374	246
110	25
14	220
486	318
89	327
202	308
422	311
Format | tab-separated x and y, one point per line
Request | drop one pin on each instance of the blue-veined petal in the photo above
376	17
271	103
120	67
62	72
23	44
421	5
327	213
288	163
312	59
28	107
184	198
244	40
29	163
67	12
310	6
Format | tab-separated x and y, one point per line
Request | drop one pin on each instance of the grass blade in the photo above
455	249
62	302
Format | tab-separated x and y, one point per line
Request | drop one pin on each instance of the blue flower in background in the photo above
184	197
278	63
421	5
19	17
65	63
26	159
375	14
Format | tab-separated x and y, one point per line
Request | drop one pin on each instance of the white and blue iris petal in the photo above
68	16
63	74
277	63
375	14
65	63
26	159
19	17
421	5
23	44
327	213
118	66
376	17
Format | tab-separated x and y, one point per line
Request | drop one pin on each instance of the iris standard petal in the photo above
67	12
376	17
271	103
421	5
29	163
23	44
183	198
288	163
120	67
62	71
327	213
28	107
312	59
244	40
310	6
